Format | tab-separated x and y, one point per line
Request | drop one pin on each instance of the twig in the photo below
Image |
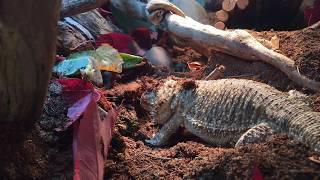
315	160
314	26
216	73
240	76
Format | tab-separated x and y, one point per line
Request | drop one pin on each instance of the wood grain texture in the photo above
222	15
28	44
229	5
27	51
95	23
73	7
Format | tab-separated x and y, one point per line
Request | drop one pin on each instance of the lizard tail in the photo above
306	128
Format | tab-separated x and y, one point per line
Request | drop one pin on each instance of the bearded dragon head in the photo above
161	102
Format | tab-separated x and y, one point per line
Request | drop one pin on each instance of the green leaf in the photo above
130	61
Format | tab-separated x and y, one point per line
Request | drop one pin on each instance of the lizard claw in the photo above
154	142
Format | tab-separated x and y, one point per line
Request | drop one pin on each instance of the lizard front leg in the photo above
162	137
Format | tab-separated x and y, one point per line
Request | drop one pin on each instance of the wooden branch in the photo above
73	7
220	25
242	4
217	73
237	43
314	26
95	23
229	5
222	15
28	30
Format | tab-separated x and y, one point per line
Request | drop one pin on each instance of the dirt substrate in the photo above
187	157
46	154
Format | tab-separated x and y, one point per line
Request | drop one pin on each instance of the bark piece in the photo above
220	25
95	23
78	32
70	39
72	7
229	5
242	4
28	44
28	31
222	15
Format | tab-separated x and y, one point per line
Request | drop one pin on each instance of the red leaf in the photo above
93	128
75	89
143	37
256	173
92	137
122	42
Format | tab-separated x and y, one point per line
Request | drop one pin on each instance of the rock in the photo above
159	57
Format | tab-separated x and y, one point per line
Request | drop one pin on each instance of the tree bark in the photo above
27	51
73	7
229	5
28	43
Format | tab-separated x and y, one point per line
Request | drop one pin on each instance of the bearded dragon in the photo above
230	111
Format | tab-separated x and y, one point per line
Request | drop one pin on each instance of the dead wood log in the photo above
220	25
222	15
73	7
95	23
28	31
237	43
229	5
314	26
28	44
78	32
71	39
242	4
